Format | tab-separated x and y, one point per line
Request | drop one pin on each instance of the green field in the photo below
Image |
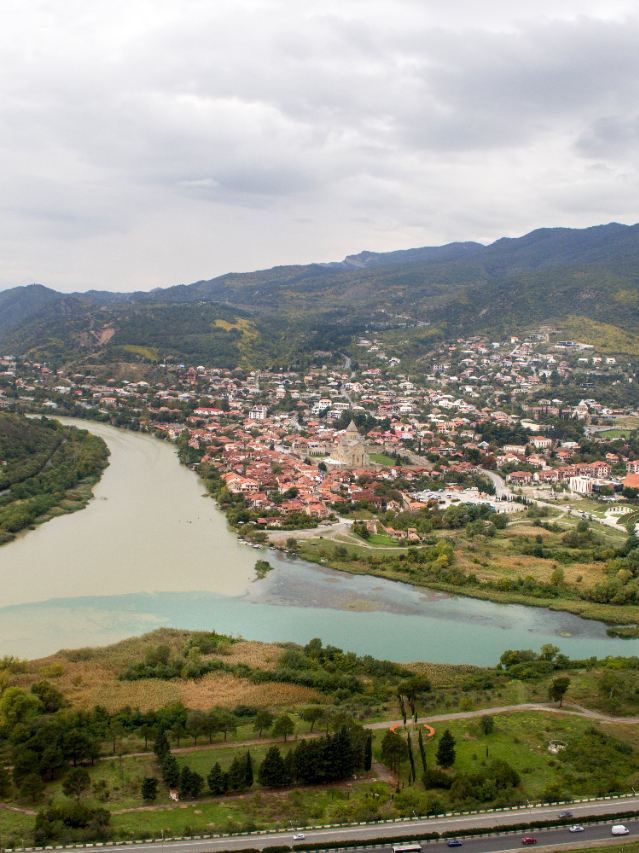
382	459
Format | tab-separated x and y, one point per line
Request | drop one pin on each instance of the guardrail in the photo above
290	829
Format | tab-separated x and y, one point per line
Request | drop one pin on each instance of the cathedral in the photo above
350	448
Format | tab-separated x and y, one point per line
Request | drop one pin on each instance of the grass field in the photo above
522	740
382	459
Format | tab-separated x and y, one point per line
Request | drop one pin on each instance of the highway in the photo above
368	833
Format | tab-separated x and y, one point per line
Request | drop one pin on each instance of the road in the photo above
367	833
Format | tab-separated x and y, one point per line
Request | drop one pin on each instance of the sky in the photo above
145	143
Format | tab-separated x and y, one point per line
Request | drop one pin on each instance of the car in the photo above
299	836
529	839
565	814
576	827
455	842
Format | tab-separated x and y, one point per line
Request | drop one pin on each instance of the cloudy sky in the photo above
149	142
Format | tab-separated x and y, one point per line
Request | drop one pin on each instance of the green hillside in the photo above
288	313
46	469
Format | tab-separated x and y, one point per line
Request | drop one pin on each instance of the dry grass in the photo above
228	691
253	654
443	675
89	677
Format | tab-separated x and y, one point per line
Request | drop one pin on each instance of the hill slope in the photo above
273	317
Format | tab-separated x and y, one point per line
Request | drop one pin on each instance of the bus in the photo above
407	847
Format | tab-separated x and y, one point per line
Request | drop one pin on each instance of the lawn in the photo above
522	740
382	459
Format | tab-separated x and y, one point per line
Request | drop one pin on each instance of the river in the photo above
150	550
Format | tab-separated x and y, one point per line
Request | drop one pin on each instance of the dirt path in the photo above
541	707
568	708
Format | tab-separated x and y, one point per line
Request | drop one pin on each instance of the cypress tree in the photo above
290	770
411	758
248	770
368	751
422	749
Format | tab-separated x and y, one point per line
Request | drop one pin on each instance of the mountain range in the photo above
585	281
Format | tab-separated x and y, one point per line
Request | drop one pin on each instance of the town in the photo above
484	422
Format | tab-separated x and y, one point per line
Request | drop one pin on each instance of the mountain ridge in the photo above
543	276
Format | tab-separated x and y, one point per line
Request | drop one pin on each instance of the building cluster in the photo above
308	443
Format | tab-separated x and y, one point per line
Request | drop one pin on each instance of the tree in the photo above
237	774
217	780
224	721
313	714
368	751
170	771
272	771
196	724
5	782
486	724
394	750
31	787
283	727
76	783
248	770
160	745
446	750
51	698
558	688
149	789
263	720
422	749
191	783
18	706
411	758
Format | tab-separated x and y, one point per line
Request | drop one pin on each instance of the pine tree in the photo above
185	783
149	788
170	771
237	774
217	780
446	750
161	745
272	771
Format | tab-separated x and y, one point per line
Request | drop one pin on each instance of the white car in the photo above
299	836
577	827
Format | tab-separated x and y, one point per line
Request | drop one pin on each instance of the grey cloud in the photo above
319	126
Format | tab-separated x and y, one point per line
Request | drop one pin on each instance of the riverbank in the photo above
152	550
626	617
472	585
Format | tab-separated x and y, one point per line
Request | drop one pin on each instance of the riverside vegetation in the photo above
46	469
542	558
93	741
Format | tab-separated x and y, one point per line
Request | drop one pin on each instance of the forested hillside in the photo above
275	317
45	469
